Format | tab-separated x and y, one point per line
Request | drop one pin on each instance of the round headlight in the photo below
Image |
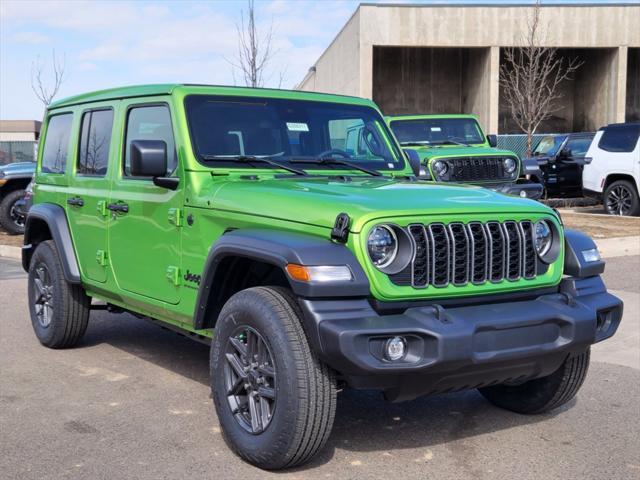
509	165
440	168
382	245
543	237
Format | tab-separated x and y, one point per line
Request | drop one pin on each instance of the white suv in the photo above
614	172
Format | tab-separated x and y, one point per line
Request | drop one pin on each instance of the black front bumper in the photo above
462	347
522	189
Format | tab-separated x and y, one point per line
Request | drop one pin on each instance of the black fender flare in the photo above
55	218
279	248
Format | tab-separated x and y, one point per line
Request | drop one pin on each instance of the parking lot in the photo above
133	402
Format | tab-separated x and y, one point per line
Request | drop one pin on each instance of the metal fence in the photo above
518	143
11	152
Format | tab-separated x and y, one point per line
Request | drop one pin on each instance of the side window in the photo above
579	146
56	144
150	123
95	138
621	138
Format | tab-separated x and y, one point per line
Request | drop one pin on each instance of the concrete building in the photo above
446	59
18	140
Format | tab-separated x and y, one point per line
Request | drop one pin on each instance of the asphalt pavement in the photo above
132	402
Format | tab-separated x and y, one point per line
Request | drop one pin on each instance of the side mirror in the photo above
148	158
493	140
565	153
414	160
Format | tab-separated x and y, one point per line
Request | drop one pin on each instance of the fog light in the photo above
395	348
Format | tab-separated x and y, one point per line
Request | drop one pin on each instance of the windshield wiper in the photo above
451	141
416	143
253	158
335	161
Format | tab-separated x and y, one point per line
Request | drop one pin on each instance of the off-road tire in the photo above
544	394
70	304
6	205
305	388
622	186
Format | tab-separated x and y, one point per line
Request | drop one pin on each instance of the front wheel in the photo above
621	198
275	400
542	394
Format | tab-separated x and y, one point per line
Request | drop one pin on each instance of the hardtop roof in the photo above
134	91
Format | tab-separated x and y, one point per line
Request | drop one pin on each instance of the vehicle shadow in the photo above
364	421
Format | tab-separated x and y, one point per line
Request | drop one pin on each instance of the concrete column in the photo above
494	91
621	84
366	70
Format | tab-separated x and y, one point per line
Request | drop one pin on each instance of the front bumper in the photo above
523	189
462	347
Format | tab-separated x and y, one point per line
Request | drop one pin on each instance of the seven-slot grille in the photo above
476	168
461	253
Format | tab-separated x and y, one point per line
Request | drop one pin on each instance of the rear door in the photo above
145	220
88	189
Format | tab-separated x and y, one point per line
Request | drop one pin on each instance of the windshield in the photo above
228	129
434	131
548	146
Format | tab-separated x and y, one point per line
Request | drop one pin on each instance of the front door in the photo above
144	232
88	190
570	163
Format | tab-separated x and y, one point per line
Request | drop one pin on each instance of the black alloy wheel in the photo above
250	377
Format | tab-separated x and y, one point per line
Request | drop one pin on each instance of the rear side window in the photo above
56	144
150	123
620	138
95	138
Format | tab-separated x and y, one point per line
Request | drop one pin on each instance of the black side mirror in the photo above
414	160
149	159
565	153
493	140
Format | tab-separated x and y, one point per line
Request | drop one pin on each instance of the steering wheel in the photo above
333	151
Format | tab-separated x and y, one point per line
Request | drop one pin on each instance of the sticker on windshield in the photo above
436	129
297	127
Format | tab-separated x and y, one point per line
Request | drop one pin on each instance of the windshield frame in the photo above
426	118
393	148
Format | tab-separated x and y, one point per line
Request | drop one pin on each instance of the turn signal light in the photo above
319	273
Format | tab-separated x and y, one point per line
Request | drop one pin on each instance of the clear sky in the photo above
123	42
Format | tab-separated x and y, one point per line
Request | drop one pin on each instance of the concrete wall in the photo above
633	85
351	63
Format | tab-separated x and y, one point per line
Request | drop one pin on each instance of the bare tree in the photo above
255	51
40	86
530	77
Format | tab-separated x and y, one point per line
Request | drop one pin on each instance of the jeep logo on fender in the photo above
192	277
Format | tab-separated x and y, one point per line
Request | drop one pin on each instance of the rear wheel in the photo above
11	219
275	400
542	394
621	198
59	310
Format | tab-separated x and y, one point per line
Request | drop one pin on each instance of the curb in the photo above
7	251
618	247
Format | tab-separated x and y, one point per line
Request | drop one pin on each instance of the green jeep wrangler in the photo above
237	217
453	148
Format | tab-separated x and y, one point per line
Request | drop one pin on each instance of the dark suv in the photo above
560	160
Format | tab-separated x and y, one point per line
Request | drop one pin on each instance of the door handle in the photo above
118	207
75	201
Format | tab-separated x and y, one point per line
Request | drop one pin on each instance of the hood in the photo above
428	152
19	168
317	201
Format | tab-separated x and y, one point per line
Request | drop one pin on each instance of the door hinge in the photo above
101	206
176	217
173	274
101	258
